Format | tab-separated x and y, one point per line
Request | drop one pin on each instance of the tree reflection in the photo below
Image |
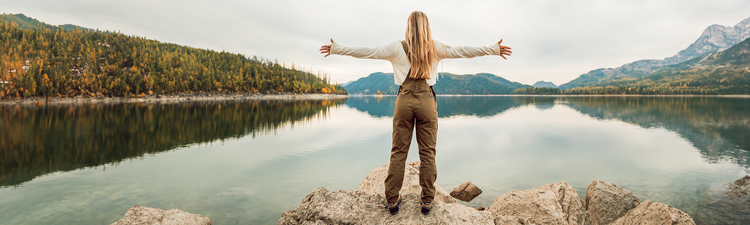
717	127
37	140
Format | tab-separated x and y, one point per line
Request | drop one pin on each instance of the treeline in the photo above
537	91
44	62
670	81
94	135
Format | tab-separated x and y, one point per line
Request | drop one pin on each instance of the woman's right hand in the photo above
326	49
504	50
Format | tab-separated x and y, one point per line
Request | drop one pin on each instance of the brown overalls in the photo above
415	105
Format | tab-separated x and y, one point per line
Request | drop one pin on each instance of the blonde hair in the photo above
422	53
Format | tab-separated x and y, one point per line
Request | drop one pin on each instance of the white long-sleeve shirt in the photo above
394	52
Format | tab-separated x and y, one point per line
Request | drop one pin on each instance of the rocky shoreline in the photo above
556	203
170	98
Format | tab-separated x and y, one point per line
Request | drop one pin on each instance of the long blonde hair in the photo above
422	53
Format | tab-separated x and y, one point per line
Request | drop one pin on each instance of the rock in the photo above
605	202
358	207
146	215
739	189
649	212
570	202
556	203
480	208
374	183
466	191
512	220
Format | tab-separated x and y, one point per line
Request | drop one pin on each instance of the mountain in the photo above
25	22
715	38
482	83
347	83
546	84
726	72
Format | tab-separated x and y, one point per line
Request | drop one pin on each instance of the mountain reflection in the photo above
480	106
718	127
38	140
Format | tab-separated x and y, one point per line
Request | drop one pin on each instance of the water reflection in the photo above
717	127
38	140
448	106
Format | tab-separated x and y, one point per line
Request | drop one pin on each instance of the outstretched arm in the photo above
386	52
448	52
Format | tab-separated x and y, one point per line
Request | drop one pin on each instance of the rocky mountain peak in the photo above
744	24
715	38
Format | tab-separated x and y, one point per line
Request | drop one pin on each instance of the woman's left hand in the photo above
504	50
326	49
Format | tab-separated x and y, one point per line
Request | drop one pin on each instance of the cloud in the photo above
551	40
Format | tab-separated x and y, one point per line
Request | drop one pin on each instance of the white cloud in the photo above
552	40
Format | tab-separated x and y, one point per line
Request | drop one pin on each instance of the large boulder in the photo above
605	202
466	191
649	212
357	207
374	183
556	203
138	215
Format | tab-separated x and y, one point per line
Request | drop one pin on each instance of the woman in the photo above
414	63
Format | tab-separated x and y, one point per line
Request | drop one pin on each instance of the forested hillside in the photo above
727	72
722	73
48	62
715	38
470	84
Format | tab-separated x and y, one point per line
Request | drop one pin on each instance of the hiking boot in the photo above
426	207
393	207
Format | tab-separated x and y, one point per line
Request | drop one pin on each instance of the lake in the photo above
246	162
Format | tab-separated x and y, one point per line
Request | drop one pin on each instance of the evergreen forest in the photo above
41	60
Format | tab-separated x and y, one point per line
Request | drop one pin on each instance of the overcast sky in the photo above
552	40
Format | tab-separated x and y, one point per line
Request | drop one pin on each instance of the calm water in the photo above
247	162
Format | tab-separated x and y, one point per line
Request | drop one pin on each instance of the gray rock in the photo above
374	183
530	206
144	215
570	202
357	207
466	191
605	202
649	212
556	203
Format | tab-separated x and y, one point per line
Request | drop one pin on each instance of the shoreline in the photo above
159	99
530	95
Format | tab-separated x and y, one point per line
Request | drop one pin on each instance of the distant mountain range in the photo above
546	84
726	72
470	84
715	38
